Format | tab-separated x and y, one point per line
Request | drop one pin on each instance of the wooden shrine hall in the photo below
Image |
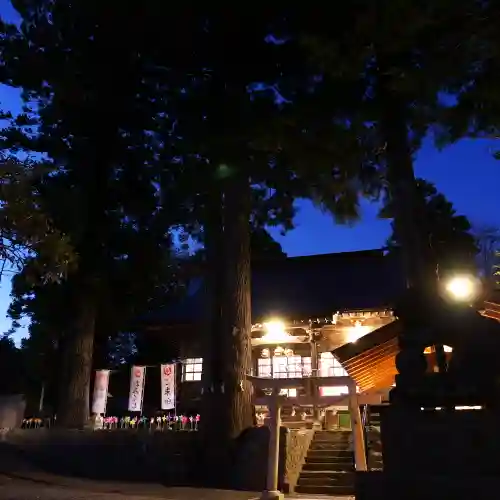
316	317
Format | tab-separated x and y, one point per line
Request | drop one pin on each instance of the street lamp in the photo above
462	288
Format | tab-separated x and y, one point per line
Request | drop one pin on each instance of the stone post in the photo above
271	492
357	430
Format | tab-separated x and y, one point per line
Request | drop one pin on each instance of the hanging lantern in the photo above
288	352
265	353
279	351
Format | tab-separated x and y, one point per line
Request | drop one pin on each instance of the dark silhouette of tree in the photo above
488	242
450	238
91	120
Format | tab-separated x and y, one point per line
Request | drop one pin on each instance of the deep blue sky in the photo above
465	172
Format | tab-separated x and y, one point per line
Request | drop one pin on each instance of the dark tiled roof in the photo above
305	287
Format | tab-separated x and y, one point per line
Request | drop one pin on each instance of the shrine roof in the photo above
371	360
304	287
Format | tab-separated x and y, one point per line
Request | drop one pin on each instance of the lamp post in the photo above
462	288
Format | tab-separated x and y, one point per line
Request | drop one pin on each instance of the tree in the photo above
27	234
404	57
488	242
11	376
451	241
264	246
102	192
247	164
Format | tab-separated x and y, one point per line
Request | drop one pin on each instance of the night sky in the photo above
465	172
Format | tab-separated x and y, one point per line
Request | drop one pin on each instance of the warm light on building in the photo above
333	391
275	332
357	331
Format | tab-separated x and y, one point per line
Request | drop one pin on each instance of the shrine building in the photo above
305	311
326	319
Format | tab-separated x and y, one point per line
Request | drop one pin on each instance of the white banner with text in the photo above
100	396
168	387
137	379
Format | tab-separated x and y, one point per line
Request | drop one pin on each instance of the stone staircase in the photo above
374	442
329	467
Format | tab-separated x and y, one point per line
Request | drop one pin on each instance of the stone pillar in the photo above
357	430
271	492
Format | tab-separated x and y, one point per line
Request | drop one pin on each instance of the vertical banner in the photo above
137	379
168	387
100	396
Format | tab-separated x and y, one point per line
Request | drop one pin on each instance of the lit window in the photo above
329	366
264	367
333	391
306	367
191	369
284	367
291	393
280	367
294	366
429	350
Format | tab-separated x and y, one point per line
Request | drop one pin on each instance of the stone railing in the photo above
296	448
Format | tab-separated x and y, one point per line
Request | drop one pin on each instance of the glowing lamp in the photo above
461	288
275	332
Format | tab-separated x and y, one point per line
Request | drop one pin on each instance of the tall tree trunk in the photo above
77	353
408	213
213	289
237	317
419	265
227	396
213	433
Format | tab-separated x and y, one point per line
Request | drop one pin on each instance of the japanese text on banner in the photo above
168	387
137	379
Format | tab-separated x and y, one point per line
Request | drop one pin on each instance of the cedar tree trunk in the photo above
77	368
237	316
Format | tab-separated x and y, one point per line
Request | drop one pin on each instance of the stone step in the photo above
328	446
319	459
325	490
327	474
326	481
331	479
328	467
334	453
332	434
332	440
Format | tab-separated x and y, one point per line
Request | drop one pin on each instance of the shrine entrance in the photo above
275	401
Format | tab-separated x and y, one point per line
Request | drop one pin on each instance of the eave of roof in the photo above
371	361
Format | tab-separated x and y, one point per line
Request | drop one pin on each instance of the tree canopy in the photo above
451	240
148	123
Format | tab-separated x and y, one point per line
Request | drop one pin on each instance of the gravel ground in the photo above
20	489
13	489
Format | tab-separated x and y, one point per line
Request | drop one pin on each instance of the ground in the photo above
21	481
18	489
13	488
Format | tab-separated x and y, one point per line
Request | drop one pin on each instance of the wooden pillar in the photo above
315	385
357	430
271	492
